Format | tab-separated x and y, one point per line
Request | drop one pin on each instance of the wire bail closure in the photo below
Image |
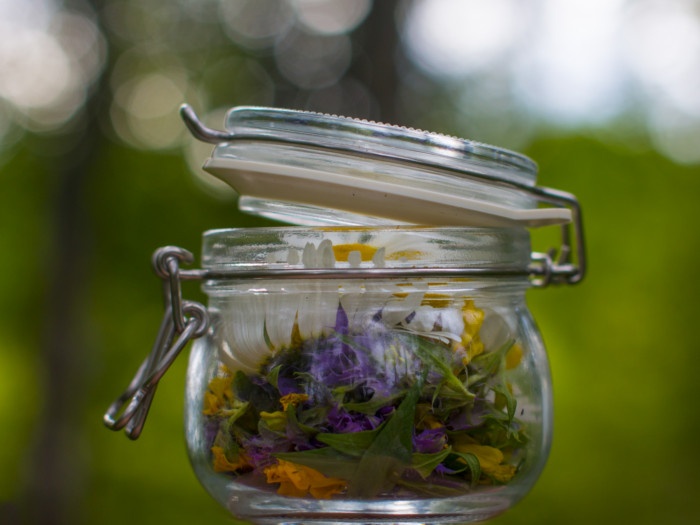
555	266
182	321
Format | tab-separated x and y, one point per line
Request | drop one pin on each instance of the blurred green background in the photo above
97	171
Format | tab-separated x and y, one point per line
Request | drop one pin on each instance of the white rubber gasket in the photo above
371	197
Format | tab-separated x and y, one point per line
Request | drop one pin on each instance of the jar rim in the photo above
294	247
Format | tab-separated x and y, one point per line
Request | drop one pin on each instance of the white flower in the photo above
256	323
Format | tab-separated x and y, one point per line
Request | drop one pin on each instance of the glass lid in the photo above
380	140
309	168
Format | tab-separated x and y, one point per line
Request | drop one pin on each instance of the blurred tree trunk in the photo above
377	58
378	40
57	477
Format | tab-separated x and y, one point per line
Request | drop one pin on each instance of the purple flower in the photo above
468	418
336	363
430	441
442	469
258	380
259	449
340	421
341	321
211	429
298	438
385	412
287	385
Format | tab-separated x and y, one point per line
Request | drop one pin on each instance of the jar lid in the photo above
314	169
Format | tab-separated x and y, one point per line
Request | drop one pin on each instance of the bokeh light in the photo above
570	69
331	17
456	37
256	23
49	59
313	61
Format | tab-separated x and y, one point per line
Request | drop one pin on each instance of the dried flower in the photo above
470	346
514	356
222	464
299	480
490	460
218	396
328	390
430	441
293	399
342	422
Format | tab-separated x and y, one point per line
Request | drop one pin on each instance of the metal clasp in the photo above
553	267
182	321
556	266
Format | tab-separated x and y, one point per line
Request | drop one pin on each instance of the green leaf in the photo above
293	420
273	375
260	398
346	339
242	386
424	464
370	407
427	353
232	451
352	443
390	452
275	421
472	463
489	363
511	403
327	461
314	417
340	391
239	408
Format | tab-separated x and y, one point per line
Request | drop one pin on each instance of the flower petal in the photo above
244	330
280	316
398	309
494	331
318	306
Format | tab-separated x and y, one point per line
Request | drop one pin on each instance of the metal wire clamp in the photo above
182	321
555	266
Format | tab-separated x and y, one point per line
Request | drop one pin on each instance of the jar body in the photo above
423	399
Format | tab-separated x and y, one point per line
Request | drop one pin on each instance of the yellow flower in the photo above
275	420
298	480
514	356
222	464
490	460
500	401
470	346
292	399
211	404
426	419
343	252
502	473
218	396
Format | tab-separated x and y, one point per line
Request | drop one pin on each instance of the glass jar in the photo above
377	362
409	399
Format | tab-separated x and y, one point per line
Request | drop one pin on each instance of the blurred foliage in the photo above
622	348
